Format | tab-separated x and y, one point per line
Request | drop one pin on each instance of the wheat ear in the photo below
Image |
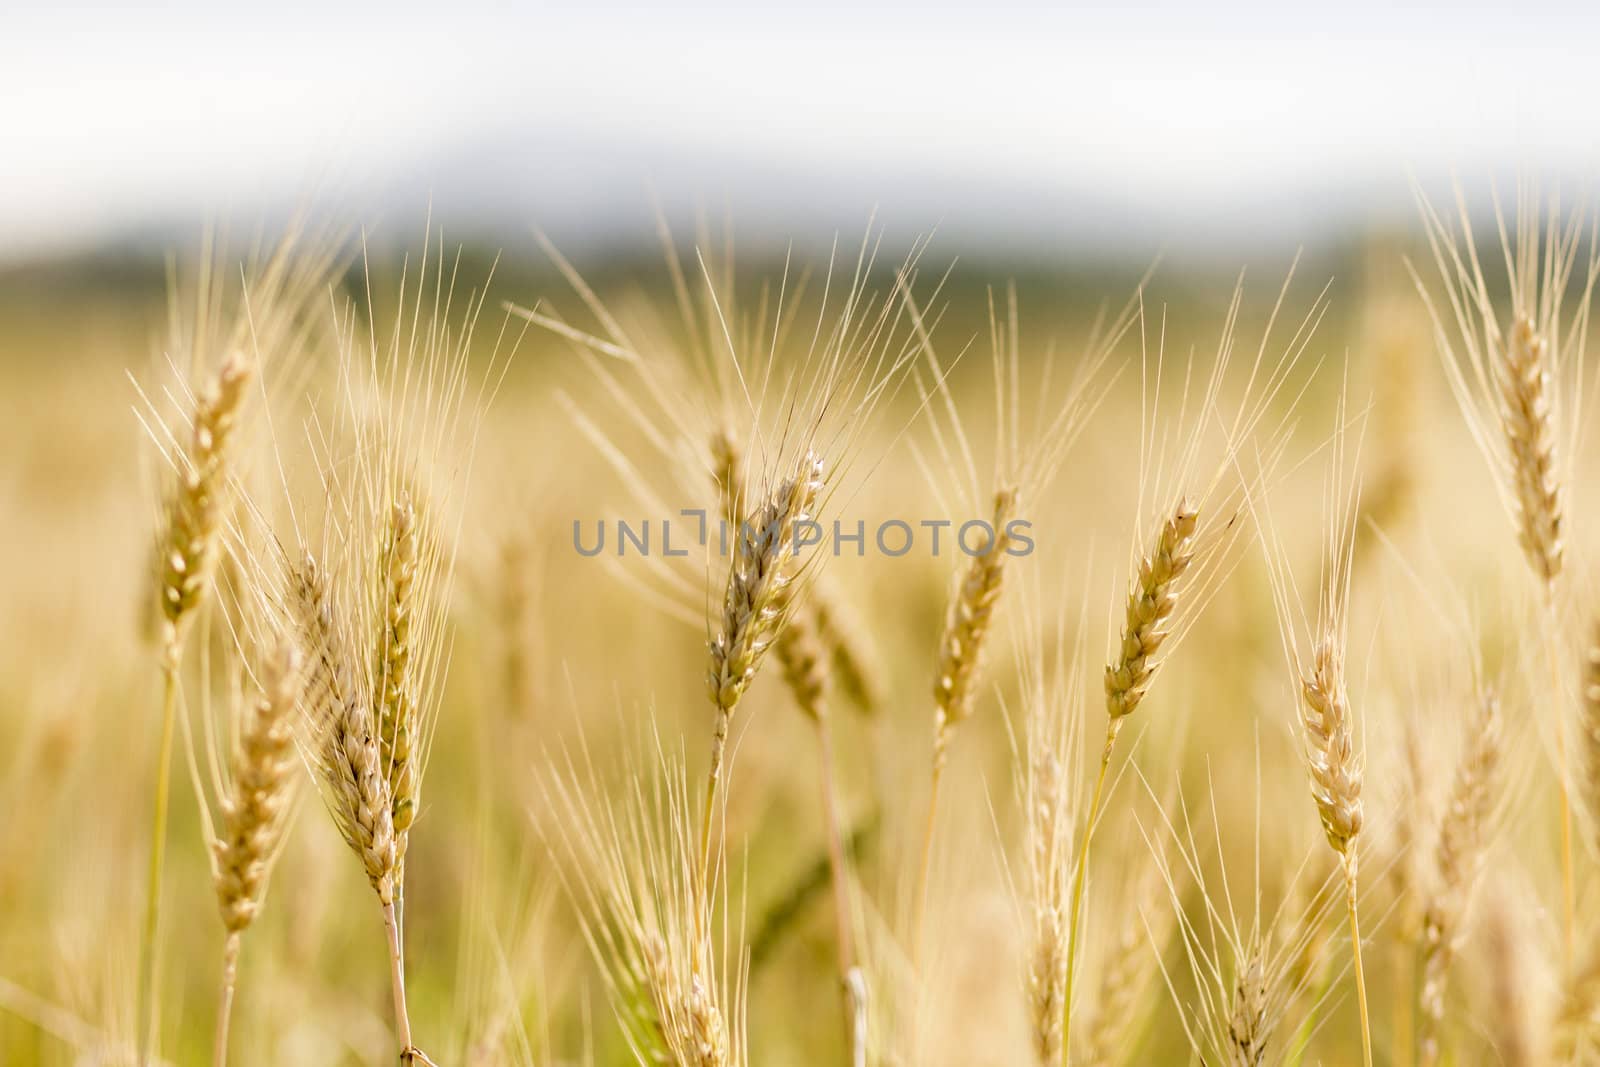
1329	736
1523	382
253	816
198	504
1458	857
1249	1021
397	703
1148	616
188	552
835	632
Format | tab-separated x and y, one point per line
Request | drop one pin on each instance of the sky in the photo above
1236	118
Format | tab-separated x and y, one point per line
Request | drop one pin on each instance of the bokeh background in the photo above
1059	150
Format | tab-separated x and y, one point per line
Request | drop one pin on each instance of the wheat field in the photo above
841	655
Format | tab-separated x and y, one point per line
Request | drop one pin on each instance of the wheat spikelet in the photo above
1523	380
1152	599
253	814
799	642
1249	1025
819	634
683	1013
397	706
344	734
1049	837
967	625
707	1037
196	508
1329	741
1458	855
756	600
759	591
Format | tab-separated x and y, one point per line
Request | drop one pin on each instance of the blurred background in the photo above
1023	131
1062	148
